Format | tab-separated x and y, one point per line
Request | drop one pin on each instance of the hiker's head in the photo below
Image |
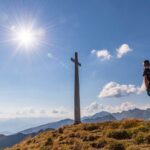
146	63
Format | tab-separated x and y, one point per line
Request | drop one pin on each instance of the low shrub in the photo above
116	146
60	130
147	139
130	123
77	146
49	141
140	138
72	135
133	147
141	128
29	141
99	144
119	134
91	127
89	138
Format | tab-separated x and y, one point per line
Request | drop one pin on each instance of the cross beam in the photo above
77	118
75	61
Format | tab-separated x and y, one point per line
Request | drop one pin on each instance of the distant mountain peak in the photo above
133	113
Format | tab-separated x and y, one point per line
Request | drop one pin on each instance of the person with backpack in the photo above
146	75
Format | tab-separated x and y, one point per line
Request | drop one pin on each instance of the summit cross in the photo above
77	116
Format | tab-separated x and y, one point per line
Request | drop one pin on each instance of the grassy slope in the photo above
116	135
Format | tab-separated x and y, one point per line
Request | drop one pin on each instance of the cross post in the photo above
77	117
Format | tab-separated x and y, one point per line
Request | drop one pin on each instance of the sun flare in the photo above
26	36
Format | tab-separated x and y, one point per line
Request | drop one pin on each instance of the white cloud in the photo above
123	107
124	49
95	107
59	111
114	89
103	54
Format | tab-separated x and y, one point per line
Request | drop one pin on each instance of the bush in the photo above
130	123
89	138
140	138
119	134
72	135
99	144
147	139
116	146
141	128
114	125
133	147
60	130
91	127
49	141
29	141
77	146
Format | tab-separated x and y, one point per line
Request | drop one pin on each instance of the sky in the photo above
37	76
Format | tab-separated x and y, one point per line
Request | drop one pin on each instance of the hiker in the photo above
146	75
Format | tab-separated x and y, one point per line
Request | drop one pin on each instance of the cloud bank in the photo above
32	112
95	107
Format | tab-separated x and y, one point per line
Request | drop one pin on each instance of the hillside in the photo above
10	140
116	135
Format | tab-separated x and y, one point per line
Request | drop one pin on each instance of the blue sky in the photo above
39	82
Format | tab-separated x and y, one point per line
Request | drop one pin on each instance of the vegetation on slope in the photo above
116	135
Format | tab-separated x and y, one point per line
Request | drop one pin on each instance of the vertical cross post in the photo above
77	117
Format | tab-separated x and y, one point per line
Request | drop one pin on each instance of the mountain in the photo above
101	114
6	141
10	140
95	119
52	125
20	124
134	113
6	133
99	117
116	135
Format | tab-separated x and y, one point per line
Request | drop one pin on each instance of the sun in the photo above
26	36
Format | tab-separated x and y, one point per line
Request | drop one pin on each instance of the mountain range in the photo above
102	116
